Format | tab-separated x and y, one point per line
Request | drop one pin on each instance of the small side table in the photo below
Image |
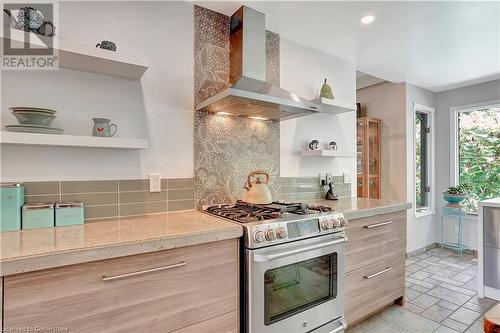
457	212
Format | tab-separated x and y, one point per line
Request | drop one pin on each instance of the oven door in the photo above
295	287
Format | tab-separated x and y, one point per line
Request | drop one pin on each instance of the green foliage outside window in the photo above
479	155
418	162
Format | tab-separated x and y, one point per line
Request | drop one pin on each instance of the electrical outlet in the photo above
322	179
154	182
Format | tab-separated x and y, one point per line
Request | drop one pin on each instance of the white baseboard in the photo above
492	293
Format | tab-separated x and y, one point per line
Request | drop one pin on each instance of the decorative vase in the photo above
326	91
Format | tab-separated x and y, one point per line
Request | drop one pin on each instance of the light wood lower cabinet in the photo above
220	324
373	287
174	290
375	264
1	303
375	238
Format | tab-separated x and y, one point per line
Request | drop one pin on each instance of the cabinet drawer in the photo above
375	238
371	288
227	323
155	292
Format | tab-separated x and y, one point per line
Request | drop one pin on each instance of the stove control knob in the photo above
343	221
337	222
281	232
258	237
327	224
270	235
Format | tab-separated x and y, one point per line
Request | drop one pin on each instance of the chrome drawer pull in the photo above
151	270
378	273
369	226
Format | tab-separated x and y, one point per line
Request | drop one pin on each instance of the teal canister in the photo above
69	213
11	203
38	215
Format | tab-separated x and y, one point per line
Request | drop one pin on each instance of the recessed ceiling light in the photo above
367	19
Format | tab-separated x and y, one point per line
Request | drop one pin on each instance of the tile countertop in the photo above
30	250
355	208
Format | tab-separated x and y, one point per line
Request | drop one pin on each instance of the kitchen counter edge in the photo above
59	258
356	208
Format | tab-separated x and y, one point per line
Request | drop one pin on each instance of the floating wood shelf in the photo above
324	153
86	58
56	140
333	106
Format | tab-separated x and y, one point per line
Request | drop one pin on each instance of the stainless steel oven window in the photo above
297	287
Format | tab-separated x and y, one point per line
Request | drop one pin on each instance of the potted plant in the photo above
455	194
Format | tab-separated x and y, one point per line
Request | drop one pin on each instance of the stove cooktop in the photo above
243	212
279	222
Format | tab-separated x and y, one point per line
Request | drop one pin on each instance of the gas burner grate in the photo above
321	209
244	212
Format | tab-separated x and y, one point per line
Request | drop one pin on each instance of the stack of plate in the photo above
34	120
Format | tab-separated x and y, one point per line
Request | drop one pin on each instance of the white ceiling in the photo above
434	45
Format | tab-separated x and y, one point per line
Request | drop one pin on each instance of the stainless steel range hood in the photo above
249	94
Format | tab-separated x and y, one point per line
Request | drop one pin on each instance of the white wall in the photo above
478	93
386	101
302	71
159	107
420	231
425	230
393	104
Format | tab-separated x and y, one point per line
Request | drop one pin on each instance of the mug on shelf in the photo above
102	127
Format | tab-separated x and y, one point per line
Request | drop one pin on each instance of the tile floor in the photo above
441	297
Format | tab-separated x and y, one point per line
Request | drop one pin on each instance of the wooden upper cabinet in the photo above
368	157
155	292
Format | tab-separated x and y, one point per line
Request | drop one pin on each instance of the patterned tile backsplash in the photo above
114	198
273	58
227	149
211	53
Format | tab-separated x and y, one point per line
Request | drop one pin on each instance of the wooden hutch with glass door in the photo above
368	157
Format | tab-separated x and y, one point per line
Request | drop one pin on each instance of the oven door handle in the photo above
270	257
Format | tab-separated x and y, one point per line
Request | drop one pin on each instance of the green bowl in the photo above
34	118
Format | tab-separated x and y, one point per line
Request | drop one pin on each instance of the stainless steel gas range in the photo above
293	267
